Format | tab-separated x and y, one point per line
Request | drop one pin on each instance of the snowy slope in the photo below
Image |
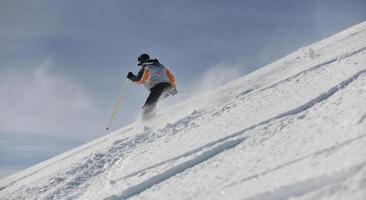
293	129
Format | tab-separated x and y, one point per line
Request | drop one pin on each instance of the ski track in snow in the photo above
73	182
323	151
301	188
136	189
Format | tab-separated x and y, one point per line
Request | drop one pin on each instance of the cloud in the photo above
18	151
36	101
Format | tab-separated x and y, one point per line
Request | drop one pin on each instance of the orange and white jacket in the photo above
153	73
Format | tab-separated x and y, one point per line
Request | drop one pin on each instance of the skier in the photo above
157	79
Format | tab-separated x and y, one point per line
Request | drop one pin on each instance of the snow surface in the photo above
295	129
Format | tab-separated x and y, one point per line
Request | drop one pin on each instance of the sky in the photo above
63	63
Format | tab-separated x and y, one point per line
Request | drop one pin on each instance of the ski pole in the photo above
117	105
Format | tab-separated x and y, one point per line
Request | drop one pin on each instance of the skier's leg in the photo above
156	93
149	108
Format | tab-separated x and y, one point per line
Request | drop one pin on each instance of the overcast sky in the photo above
62	63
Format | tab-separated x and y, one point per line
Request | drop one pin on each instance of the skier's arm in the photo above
141	76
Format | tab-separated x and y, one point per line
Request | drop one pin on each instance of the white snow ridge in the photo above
295	129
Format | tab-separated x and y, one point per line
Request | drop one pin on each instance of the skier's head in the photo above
143	58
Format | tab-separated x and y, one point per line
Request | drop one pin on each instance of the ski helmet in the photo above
143	58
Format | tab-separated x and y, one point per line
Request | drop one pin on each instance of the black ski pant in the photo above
157	92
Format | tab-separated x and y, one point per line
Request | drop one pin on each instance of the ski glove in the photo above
130	75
